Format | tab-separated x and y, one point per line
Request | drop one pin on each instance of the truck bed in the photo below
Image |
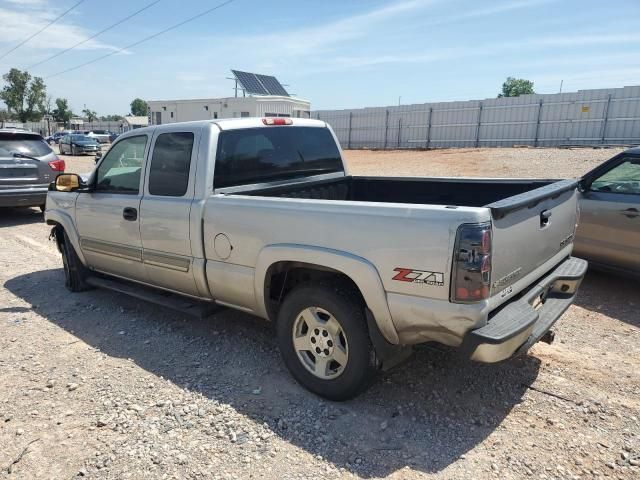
466	192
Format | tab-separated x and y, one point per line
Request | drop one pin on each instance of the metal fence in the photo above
586	117
46	128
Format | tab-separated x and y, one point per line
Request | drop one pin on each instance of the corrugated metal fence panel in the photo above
583	117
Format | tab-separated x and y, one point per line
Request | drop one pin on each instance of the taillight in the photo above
57	165
277	121
471	275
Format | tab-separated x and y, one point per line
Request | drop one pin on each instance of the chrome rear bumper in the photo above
522	322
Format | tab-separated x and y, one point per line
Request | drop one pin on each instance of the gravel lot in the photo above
98	385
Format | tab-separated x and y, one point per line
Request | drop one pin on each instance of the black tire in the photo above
347	308
75	273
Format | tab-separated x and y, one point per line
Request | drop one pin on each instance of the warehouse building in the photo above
256	95
171	111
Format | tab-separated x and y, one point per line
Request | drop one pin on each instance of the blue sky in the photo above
337	54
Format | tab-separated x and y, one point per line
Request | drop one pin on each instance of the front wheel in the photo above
324	341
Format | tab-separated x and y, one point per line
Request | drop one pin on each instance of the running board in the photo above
174	301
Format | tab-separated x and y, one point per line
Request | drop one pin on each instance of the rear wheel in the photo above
75	272
324	340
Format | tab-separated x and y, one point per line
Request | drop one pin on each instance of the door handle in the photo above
130	213
630	212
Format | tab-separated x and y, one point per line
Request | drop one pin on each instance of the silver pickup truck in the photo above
261	215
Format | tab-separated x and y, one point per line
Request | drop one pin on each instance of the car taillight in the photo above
277	121
57	165
471	273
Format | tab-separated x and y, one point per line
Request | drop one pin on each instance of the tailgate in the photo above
18	172
529	229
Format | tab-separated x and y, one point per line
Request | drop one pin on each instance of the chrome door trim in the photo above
112	249
166	260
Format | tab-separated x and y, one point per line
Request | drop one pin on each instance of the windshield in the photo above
256	155
81	138
23	143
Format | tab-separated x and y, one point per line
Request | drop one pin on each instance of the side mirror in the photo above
98	156
582	186
68	182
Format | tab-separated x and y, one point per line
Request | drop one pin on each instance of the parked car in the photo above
55	138
261	215
27	166
609	229
102	136
113	137
78	144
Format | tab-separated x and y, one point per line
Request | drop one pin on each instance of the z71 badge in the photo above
419	276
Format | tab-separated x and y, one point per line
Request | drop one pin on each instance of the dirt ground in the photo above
98	385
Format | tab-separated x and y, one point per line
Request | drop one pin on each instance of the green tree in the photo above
62	112
90	115
24	95
5	116
111	118
514	87
139	108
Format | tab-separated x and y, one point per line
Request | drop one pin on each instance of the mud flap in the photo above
387	354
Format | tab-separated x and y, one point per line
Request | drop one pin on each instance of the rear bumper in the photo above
27	197
522	322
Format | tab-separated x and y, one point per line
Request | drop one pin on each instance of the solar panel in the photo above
250	83
273	86
257	84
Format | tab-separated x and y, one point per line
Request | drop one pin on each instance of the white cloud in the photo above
319	48
317	39
19	22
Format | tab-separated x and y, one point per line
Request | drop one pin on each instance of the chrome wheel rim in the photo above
320	343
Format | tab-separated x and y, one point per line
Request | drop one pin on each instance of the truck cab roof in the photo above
226	124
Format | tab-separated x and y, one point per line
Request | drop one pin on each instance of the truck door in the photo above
165	210
108	217
609	228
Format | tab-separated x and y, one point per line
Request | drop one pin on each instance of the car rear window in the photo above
23	143
255	155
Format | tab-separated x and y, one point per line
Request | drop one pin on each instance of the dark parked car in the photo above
78	144
55	138
27	166
608	233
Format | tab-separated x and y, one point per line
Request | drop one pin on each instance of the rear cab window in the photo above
27	144
255	155
170	164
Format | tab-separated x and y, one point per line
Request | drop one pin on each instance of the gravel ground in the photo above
479	162
98	385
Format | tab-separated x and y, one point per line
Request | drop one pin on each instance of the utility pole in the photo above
561	86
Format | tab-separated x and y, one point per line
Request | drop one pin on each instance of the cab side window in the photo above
119	171
624	178
170	164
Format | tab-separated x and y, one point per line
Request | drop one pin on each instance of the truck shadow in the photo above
10	217
614	296
424	414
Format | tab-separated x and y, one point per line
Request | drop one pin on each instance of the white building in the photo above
131	122
171	111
